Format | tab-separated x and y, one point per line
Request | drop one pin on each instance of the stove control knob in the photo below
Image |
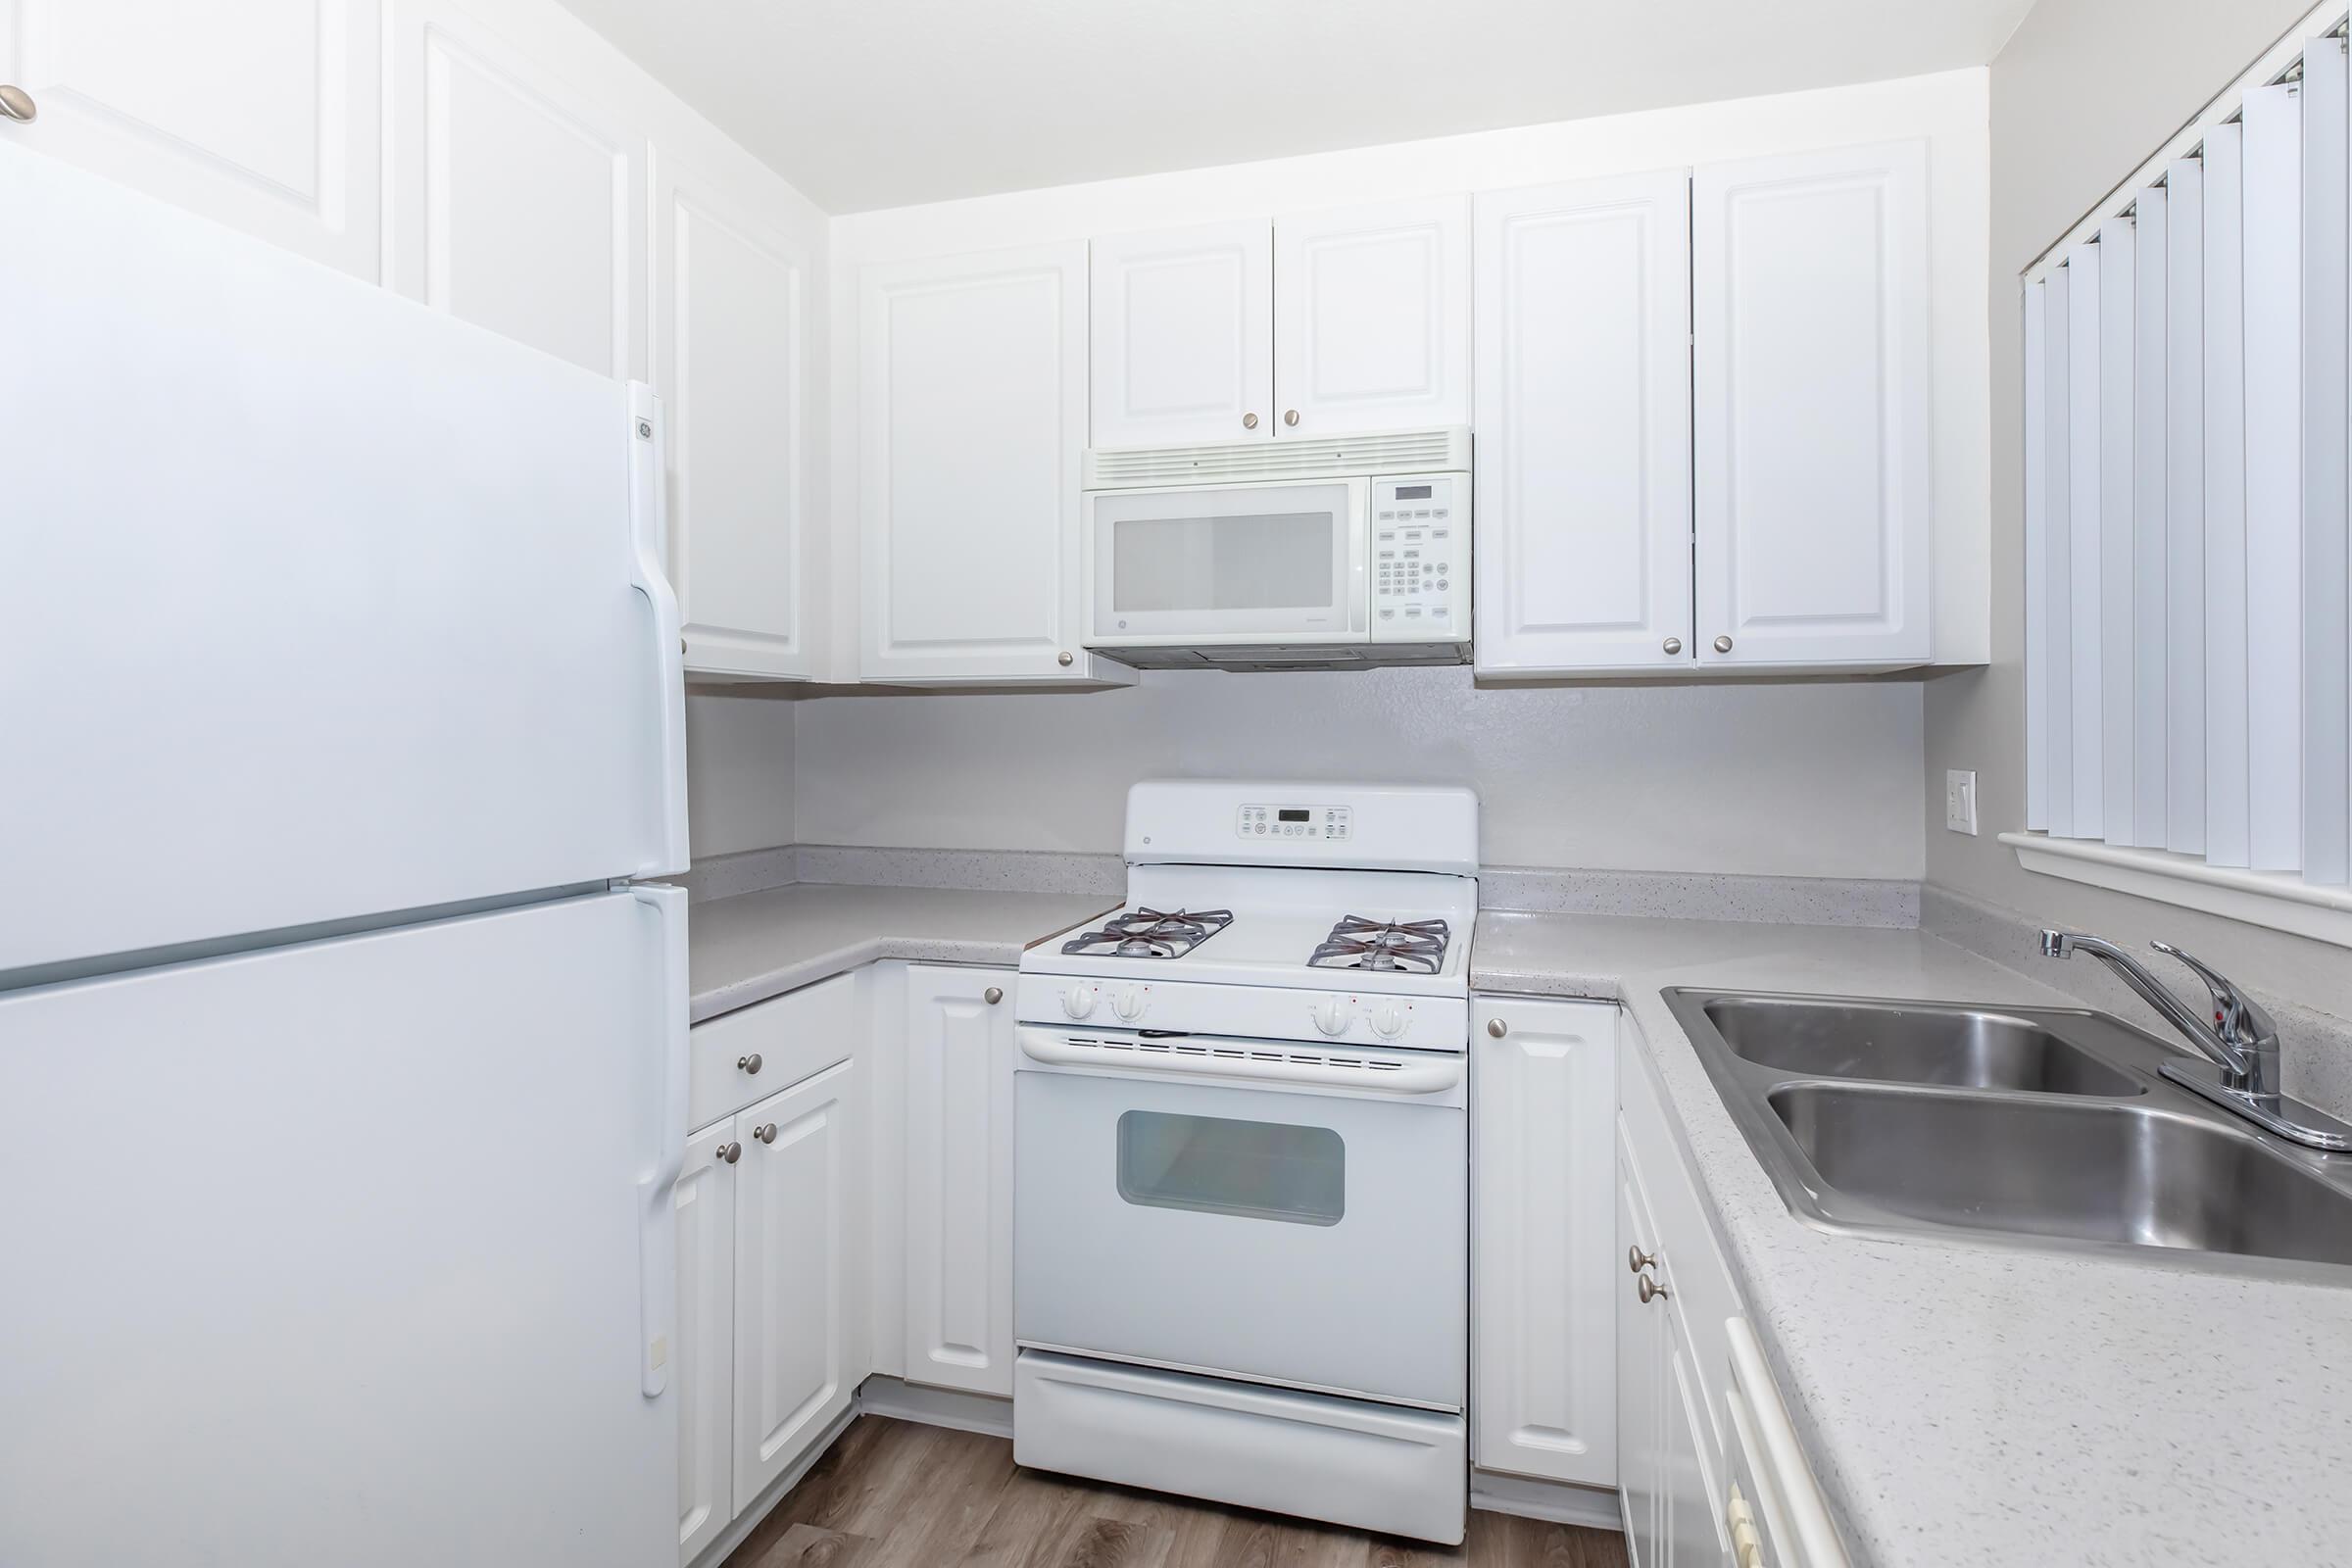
1078	1000
1333	1016
1129	1002
1388	1020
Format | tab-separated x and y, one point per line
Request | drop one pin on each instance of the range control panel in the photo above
1421	557
1326	822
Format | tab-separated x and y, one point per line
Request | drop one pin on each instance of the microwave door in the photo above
1280	563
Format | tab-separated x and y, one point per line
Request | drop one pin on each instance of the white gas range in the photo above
1242	1201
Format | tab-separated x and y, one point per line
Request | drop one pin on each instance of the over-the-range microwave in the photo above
1335	552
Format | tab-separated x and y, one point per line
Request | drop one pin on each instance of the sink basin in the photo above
1911	1044
2049	1128
2128	1174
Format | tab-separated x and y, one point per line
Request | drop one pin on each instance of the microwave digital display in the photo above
1412	492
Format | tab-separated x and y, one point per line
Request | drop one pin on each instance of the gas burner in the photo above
1147	933
1413	947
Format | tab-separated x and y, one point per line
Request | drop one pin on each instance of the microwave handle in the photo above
1360	558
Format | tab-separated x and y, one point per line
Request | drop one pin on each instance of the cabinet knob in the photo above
765	1132
1722	645
1638	1261
1064	659
750	1063
729	1153
1249	421
1290	416
1498	1028
993	995
1653	1291
1674	645
17	103
681	645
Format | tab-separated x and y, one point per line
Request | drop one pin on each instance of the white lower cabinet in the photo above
770	1295
960	1157
702	1360
1543	1106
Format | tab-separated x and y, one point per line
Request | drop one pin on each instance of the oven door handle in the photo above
1416	1075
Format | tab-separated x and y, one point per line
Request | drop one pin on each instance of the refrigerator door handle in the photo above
648	575
657	1221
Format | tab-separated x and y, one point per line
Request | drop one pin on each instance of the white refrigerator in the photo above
342	1071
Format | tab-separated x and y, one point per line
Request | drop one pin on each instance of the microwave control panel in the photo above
1421	559
1324	822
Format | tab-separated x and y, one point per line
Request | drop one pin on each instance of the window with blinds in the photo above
2187	420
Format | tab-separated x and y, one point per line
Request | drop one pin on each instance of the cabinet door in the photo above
1183	341
1812	382
731	360
261	114
1544	1276
1690	1531
794	1272
972	414
960	1155
1372	318
702	1360
515	198
1641	1344
1583	524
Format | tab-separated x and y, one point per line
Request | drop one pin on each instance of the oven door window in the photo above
1252	1169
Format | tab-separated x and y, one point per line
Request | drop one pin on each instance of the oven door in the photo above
1288	1235
1280	563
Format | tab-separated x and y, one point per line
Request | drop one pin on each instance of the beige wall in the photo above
2083	93
1805	780
739	773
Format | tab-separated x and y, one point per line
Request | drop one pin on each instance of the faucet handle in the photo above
2241	1018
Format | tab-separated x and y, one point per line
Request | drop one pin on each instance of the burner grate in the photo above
1149	933
1409	947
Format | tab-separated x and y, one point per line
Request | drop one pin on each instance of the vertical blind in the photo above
2187	424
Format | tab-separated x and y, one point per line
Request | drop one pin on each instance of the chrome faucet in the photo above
2241	1041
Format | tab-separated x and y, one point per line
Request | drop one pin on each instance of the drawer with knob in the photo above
748	1054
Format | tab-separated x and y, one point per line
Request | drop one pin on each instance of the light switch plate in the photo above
1960	800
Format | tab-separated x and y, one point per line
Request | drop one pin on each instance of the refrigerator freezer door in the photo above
318	603
330	1253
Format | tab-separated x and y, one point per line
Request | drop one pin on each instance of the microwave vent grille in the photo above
1438	451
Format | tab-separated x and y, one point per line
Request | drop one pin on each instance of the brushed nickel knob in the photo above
729	1153
1653	1291
1498	1028
1249	421
1065	660
1674	645
1289	416
750	1063
1638	1261
17	103
681	645
765	1132
993	995
1722	645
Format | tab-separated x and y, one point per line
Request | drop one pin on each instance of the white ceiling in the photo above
881	102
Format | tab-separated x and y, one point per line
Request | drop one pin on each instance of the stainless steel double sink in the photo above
2042	1127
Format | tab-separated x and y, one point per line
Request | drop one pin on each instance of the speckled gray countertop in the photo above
1963	1403
755	946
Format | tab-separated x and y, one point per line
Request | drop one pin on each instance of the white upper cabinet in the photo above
1372	318
731	308
1811	385
972	420
1582	522
1184	336
260	115
517	197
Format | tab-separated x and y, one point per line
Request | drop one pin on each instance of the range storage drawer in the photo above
754	1051
1348	1461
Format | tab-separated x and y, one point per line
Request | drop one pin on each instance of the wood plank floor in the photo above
895	1495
